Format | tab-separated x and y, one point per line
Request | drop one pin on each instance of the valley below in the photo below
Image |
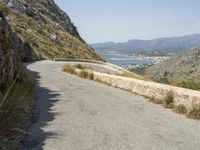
130	62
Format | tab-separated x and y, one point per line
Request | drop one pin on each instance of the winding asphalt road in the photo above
76	114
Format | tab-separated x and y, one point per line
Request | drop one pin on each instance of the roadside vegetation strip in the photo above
131	75
180	100
79	70
16	109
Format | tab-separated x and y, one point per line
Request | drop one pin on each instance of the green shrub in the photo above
139	70
162	80
187	84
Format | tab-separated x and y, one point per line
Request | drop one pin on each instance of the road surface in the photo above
77	114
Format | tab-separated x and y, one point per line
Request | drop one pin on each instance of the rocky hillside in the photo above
32	30
12	50
178	69
46	29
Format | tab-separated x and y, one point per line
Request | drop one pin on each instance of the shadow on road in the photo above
45	99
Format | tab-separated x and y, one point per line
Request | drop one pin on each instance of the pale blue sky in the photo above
122	20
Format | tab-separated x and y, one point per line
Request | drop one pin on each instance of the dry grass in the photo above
156	101
86	75
101	81
69	69
181	109
79	70
194	113
15	107
169	100
131	75
79	66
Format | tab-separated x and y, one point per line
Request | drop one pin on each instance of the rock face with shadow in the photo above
12	51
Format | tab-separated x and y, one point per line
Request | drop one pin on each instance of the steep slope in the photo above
47	29
156	47
179	69
12	50
16	89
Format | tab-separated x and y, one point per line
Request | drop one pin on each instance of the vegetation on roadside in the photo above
188	84
79	70
130	75
139	70
162	81
15	108
194	85
194	113
169	100
181	109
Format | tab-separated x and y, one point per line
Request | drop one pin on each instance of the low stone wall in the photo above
153	90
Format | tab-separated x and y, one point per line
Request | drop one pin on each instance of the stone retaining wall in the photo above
153	90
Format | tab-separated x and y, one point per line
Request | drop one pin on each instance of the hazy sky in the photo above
122	20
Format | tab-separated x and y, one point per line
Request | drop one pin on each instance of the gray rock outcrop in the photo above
48	8
13	50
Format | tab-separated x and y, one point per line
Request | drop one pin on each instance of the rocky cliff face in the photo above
13	50
36	29
38	8
47	29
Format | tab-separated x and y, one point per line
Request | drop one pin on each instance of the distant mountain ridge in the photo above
156	47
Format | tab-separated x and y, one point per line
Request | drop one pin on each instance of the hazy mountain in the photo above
160	46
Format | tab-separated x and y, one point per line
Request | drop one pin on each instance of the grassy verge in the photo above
168	102
15	109
131	75
79	70
194	113
189	84
194	85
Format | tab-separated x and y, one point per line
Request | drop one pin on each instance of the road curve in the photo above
76	114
